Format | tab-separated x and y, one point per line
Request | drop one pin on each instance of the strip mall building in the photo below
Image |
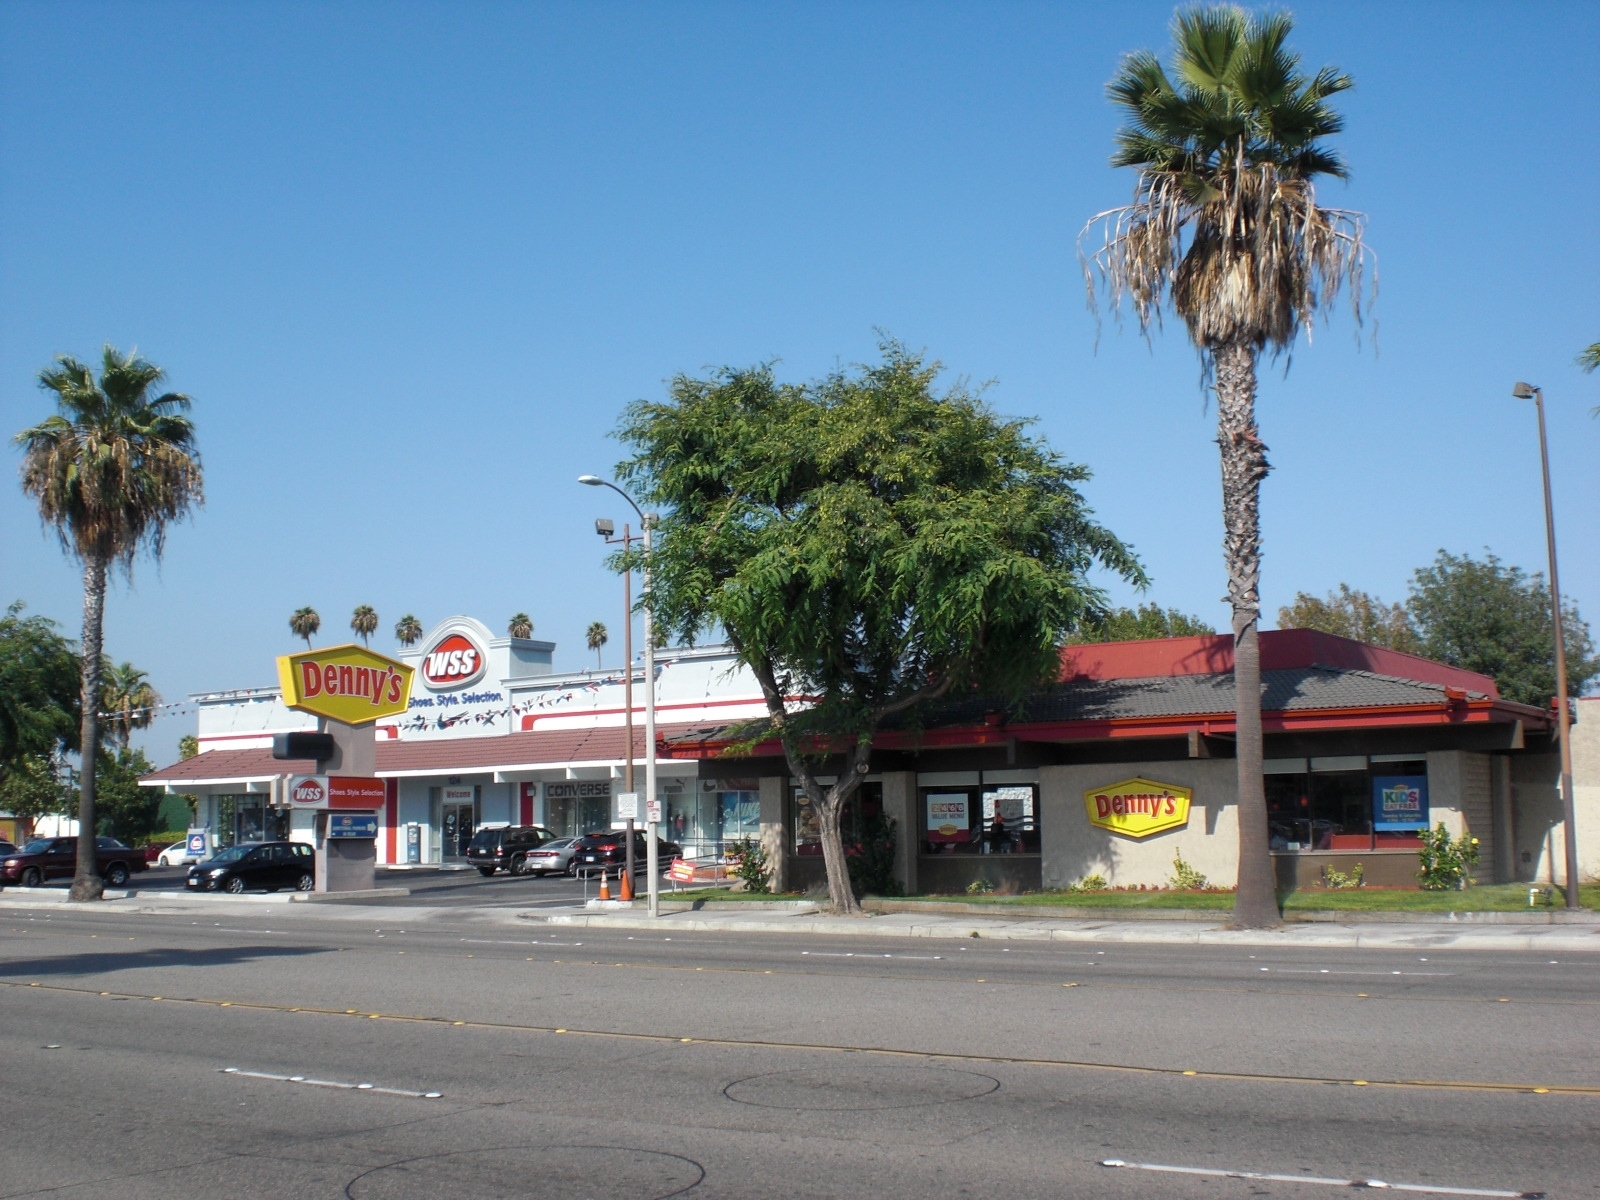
1123	765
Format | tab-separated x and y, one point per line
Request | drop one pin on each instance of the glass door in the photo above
456	831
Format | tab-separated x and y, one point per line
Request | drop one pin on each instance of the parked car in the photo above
269	865
57	858
175	855
7	848
550	858
608	851
503	847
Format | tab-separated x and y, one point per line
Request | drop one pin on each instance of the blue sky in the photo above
411	260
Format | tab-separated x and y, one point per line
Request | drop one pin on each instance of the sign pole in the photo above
652	803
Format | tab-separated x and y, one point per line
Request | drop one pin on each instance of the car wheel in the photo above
31	877
305	883
116	874
572	869
235	885
486	871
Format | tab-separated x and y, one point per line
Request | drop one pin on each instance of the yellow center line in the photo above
1456	1085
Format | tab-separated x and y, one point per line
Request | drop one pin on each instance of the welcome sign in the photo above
1400	802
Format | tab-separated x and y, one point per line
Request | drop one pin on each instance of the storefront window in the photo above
993	819
706	823
861	811
1327	804
576	808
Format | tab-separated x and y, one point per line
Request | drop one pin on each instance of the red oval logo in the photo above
454	661
308	791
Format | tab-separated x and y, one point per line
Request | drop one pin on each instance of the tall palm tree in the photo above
110	470
364	622
1589	360
520	625
304	622
1225	230
127	701
596	637
408	630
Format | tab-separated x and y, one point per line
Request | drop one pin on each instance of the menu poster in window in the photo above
1399	802
949	816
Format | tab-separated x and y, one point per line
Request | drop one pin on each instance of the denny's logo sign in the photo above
349	684
1138	807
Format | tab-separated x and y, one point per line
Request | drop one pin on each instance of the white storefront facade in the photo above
493	736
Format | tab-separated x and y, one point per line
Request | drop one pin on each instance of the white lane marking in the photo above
853	954
1329	971
496	942
330	1083
1431	1189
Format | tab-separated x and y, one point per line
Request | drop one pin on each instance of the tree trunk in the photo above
1244	466
86	881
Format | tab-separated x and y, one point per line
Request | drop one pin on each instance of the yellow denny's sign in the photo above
349	684
1138	807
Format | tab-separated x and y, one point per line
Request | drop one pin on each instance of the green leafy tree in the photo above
1495	619
188	746
1225	229
1140	624
596	638
127	810
520	625
37	785
1353	614
127	701
304	623
39	681
110	470
408	630
364	623
865	541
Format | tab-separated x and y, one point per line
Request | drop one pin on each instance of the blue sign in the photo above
197	844
352	825
1399	802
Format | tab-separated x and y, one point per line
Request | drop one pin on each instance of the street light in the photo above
652	856
1525	391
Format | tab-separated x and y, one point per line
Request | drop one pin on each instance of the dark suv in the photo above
57	858
608	852
502	848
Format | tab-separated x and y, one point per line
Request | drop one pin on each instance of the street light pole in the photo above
652	854
1526	391
605	529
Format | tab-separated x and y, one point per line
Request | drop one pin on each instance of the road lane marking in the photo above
329	1083
1430	1189
828	1047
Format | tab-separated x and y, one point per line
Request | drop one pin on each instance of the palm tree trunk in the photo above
86	881
1244	466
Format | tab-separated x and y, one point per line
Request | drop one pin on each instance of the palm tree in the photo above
364	622
304	622
520	626
596	637
127	701
1590	358
408	630
1225	229
110	470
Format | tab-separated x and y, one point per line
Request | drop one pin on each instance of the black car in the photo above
269	865
502	848
608	851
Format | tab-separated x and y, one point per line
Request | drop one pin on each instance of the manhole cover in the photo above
517	1172
845	1089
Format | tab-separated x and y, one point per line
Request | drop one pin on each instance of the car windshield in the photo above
37	846
486	838
231	854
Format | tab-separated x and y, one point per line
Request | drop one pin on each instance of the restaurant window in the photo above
861	811
991	818
1333	803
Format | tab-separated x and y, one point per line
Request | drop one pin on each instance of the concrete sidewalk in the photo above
1386	935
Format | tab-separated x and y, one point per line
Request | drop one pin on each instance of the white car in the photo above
176	855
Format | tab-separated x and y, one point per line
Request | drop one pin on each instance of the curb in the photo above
341	897
1026	912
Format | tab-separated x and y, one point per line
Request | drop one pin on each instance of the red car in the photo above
57	858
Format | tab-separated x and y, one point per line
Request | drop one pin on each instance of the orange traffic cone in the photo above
605	886
625	886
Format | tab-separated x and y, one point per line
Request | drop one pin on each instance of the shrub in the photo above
750	865
1089	883
1446	863
1184	877
980	887
1354	878
872	866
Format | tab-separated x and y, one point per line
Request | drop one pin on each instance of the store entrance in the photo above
457	829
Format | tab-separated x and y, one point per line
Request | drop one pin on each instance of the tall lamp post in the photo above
652	855
1525	391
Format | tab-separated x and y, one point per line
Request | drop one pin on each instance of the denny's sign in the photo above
349	684
1138	807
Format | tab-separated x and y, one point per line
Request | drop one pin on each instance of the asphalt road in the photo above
619	1065
463	888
